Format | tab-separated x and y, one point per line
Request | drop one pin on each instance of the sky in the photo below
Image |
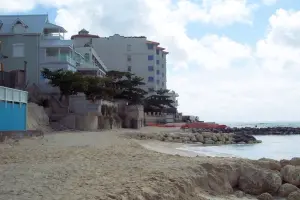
230	60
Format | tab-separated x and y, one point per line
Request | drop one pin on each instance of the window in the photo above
129	68
150	46
162	55
157	82
128	47
157	62
150	79
162	83
87	57
150	57
163	65
163	74
150	68
157	52
157	72
18	50
129	58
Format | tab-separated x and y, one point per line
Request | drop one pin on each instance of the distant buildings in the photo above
34	40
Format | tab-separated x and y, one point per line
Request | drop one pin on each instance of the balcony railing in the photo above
53	36
61	58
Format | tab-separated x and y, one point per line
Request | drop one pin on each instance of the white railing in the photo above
10	94
53	37
61	58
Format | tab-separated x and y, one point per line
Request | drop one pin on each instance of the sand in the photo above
100	165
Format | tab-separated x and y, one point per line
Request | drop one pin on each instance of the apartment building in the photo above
90	55
32	38
138	55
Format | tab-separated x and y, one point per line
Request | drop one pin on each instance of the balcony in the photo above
56	43
53	36
60	59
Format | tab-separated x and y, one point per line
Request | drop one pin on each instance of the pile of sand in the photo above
37	119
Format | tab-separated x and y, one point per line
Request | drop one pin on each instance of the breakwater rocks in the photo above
207	138
251	131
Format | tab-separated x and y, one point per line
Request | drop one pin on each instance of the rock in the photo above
257	181
294	196
242	137
291	174
239	194
284	163
208	141
214	138
199	138
265	196
269	164
193	138
295	161
286	189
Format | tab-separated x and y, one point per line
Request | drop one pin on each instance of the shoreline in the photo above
106	165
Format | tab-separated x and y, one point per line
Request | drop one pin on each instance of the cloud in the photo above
269	2
216	77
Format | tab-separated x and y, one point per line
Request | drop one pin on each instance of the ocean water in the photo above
263	124
274	147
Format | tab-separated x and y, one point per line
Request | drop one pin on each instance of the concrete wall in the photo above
78	104
159	118
31	51
117	47
86	122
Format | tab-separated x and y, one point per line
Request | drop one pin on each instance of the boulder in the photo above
208	141
269	164
242	137
257	181
199	138
239	194
265	196
286	189
291	174
295	161
284	163
294	196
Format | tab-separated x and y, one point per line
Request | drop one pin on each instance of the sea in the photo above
272	146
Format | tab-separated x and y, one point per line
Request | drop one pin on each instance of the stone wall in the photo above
159	118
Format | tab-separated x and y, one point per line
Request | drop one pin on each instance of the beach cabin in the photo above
13	109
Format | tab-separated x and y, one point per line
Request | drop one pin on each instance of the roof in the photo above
151	42
84	36
165	52
55	27
160	48
35	23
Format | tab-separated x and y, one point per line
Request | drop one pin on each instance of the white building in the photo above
138	55
134	54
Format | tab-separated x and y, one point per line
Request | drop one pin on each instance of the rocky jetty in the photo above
252	131
197	137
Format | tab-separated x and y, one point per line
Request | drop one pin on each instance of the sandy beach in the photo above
106	165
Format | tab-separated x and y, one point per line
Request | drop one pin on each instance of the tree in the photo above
159	102
127	86
68	82
99	88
